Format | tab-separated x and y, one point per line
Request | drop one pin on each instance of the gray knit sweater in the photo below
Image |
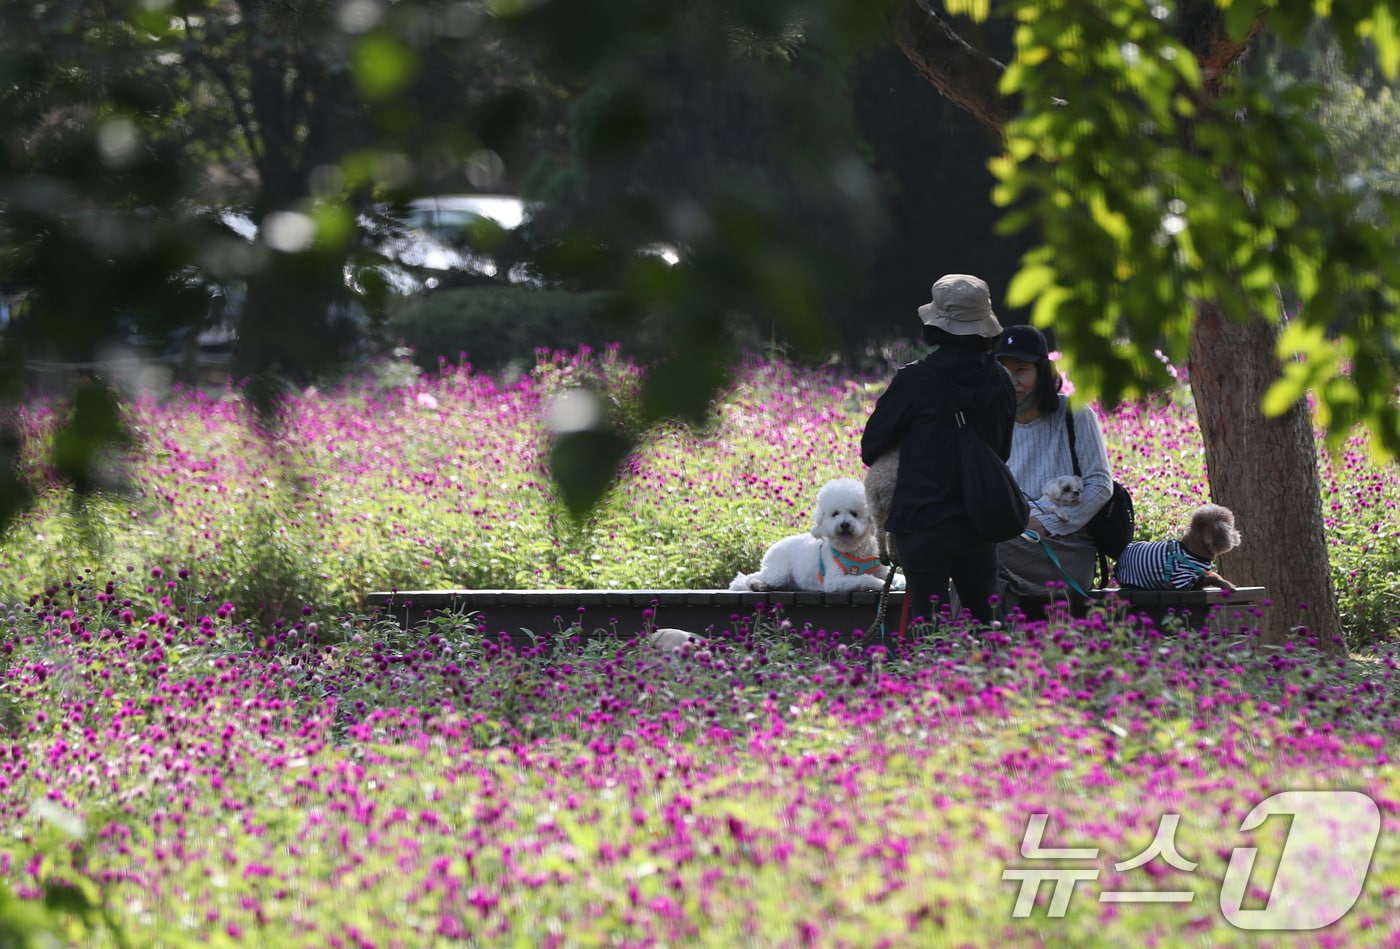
1040	452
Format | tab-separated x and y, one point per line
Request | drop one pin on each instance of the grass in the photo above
207	741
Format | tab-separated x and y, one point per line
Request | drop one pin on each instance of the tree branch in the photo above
964	75
1200	27
969	77
199	54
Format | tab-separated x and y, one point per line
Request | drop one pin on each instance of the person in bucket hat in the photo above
935	543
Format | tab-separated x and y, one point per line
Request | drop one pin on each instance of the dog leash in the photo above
856	566
1032	535
1175	558
884	601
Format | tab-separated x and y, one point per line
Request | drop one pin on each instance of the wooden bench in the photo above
1238	608
837	615
628	612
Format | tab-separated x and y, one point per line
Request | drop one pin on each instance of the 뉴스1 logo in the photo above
1321	869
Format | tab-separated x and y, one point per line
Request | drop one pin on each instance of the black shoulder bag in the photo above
1113	526
994	502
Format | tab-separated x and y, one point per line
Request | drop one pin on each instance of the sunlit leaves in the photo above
383	65
1385	33
977	10
1029	284
1240	16
334	223
1310	360
1152	202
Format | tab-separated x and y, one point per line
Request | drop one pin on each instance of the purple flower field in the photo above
441	483
208	742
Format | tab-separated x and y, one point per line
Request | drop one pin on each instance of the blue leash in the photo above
1032	535
1176	559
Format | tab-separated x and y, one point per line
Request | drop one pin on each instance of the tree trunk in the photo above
1265	470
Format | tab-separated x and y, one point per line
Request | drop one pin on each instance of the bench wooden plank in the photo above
509	611
701	611
1210	596
1233	609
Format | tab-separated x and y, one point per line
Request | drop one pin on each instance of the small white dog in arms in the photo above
1064	491
879	498
838	555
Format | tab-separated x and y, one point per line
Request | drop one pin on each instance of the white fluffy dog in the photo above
838	555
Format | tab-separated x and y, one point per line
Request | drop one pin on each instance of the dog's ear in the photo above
817	522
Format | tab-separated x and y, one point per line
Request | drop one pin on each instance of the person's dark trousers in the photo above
931	559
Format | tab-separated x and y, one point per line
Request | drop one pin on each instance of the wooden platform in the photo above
842	615
1239	608
630	611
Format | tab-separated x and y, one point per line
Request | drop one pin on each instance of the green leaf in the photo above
15	493
335	224
94	426
1028	284
67	898
683	387
1311	361
1385	33
1239	17
976	10
585	466
1286	391
383	65
1046	305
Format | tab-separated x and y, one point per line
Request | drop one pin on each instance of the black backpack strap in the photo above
1104	572
1069	427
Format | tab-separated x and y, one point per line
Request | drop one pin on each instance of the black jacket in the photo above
916	414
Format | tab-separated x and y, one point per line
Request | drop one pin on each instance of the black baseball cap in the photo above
1022	342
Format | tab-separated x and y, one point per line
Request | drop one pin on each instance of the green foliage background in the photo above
494	328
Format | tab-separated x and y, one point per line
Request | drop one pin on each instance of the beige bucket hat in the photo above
961	305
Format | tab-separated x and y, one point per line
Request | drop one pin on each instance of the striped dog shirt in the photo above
1159	565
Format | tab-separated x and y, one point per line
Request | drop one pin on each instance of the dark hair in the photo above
937	336
1048	383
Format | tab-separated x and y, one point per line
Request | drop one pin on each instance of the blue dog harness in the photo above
850	566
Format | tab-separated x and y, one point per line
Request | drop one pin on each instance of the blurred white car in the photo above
415	247
437	232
